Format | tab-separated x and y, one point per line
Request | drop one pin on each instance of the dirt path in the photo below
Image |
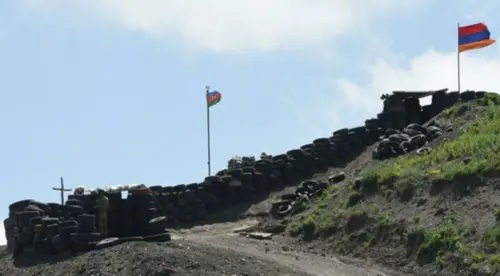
223	235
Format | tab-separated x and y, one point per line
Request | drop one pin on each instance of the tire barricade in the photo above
145	213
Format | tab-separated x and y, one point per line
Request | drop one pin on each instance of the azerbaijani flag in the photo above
473	37
213	98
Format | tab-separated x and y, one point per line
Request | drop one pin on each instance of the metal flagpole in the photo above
208	129
458	56
62	190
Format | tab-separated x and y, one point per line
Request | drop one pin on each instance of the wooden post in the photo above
62	190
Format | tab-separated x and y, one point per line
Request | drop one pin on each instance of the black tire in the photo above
162	237
307	146
193	186
156	189
280	157
8	224
52	230
480	94
248	169
107	243
302	191
423	150
19	205
417	127
296	153
337	178
407	146
236	173
35	221
467	96
179	188
247	179
321	141
167	189
284	210
132	239
418	141
23	218
67	223
309	184
157	225
212	179
86	223
48	221
290	197
372	123
341	133
319	188
74	202
85	237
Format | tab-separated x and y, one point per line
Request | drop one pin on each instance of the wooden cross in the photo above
62	190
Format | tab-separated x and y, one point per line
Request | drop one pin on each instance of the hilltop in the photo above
436	213
386	198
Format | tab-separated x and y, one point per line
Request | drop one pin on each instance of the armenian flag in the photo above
213	98
473	37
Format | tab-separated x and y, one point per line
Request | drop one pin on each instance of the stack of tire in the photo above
76	231
24	224
307	189
396	142
85	236
193	202
414	137
442	100
142	208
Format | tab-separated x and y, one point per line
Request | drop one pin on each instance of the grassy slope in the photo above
350	217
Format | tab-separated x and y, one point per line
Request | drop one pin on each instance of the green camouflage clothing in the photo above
103	205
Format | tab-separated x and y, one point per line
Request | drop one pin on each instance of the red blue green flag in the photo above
213	98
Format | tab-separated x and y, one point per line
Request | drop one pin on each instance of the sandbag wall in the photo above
193	202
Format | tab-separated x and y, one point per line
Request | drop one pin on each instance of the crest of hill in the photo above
430	214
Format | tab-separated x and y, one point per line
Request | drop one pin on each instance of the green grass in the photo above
438	242
479	142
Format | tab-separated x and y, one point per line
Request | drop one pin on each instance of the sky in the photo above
106	92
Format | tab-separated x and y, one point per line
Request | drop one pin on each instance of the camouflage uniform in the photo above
103	206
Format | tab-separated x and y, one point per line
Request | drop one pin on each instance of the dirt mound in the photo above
140	258
436	213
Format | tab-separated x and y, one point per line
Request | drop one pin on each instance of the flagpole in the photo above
458	55
208	129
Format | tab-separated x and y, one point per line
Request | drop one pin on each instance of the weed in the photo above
491	239
446	238
353	199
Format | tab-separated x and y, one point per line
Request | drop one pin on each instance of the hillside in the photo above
391	197
431	214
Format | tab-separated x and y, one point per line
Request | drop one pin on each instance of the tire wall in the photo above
52	225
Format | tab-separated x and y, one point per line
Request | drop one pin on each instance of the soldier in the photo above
103	206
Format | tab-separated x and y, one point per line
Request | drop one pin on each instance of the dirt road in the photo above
223	235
